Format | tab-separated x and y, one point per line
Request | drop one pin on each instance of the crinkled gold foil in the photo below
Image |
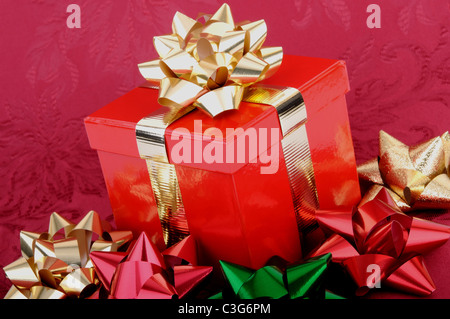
416	176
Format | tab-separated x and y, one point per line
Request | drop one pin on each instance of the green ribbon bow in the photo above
278	280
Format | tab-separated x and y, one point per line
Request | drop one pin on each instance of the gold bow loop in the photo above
209	65
418	177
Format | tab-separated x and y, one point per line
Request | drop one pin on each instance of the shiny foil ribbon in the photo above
209	65
378	235
152	147
143	272
214	66
277	280
417	177
56	264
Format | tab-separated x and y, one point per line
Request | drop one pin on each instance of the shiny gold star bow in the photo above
209	65
417	177
56	264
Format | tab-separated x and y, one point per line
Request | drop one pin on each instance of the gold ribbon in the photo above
292	114
417	177
209	65
152	147
214	67
56	264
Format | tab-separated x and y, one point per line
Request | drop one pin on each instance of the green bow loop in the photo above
306	278
266	282
330	295
278	280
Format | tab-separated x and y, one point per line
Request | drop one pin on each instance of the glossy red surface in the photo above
249	116
234	212
245	216
55	76
323	84
131	195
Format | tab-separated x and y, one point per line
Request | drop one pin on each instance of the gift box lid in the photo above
113	127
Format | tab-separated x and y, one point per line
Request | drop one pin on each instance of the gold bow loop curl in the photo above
209	65
56	264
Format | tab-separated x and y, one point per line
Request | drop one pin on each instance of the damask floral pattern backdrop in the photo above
53	76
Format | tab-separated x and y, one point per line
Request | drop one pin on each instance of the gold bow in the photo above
209	65
417	177
56	264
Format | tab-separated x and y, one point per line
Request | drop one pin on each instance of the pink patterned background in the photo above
53	76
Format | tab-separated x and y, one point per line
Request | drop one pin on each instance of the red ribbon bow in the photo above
145	273
377	234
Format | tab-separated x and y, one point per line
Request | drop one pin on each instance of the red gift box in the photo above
234	212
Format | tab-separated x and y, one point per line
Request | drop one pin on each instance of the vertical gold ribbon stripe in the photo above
152	147
301	177
169	202
292	114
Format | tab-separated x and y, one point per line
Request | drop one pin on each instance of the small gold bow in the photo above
209	65
56	264
417	177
